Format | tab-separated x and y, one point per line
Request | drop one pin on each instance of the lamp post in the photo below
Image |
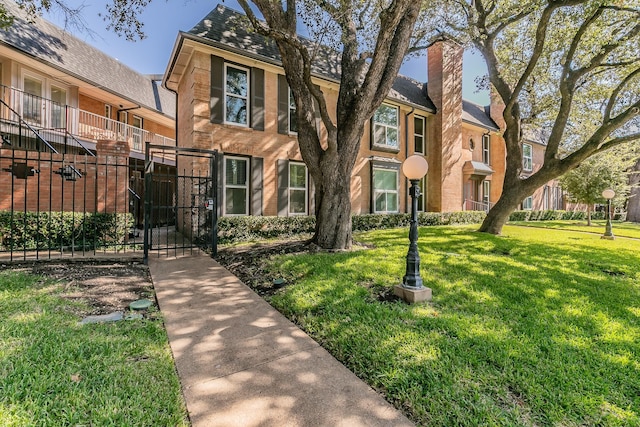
412	289
608	233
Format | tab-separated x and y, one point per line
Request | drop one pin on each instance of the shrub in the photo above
57	230
242	228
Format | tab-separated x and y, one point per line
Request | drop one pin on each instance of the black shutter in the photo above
283	187
312	196
220	189
256	185
283	105
257	98
216	103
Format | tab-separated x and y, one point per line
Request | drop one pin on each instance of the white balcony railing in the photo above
473	205
45	114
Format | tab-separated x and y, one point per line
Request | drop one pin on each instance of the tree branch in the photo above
614	94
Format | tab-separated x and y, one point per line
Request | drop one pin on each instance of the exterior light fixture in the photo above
608	233
412	290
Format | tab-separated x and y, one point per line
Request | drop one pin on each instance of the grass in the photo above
529	328
56	372
620	229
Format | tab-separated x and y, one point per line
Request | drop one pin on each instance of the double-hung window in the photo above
293	114
486	192
486	150
236	186
527	204
418	134
527	157
385	127
297	188
236	95
385	190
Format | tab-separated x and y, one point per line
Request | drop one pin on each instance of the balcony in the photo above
35	123
473	205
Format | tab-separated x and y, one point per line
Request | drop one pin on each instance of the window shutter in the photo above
256	185
312	195
371	135
220	183
283	105
216	103
257	98
283	187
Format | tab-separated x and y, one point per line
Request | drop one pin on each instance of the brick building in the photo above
232	96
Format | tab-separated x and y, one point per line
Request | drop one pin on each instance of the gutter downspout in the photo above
406	154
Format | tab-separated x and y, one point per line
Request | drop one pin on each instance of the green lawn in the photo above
54	372
620	229
536	327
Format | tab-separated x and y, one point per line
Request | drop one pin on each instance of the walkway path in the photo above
241	363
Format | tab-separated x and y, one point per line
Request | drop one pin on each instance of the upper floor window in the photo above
418	134
236	95
293	118
486	151
385	190
385	127
297	189
236	186
527	157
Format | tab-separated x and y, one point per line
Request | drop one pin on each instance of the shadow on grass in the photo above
523	329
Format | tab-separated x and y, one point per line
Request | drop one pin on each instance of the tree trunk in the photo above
633	206
589	214
498	215
333	191
333	214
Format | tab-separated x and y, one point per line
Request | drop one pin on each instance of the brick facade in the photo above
102	186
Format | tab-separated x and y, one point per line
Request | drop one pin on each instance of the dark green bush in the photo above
243	228
56	230
558	215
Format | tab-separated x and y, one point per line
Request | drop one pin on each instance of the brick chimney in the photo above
444	87
496	109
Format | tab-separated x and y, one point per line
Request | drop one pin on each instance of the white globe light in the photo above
608	194
415	167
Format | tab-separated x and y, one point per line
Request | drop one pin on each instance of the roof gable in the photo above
51	45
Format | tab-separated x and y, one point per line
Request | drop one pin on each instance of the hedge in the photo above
242	228
56	230
560	215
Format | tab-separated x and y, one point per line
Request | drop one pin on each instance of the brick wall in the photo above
103	186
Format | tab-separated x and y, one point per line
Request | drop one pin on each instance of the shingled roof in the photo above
478	115
53	46
230	30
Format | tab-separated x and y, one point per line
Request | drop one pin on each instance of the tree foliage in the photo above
570	69
610	169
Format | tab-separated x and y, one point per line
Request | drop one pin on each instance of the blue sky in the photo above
163	19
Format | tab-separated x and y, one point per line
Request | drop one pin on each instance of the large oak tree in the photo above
567	69
372	38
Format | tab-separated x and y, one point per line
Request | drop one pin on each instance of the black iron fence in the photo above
54	205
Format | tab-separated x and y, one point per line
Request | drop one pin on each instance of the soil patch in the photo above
107	286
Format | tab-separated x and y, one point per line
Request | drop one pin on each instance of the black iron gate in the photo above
180	212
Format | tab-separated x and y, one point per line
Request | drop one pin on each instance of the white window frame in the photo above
422	135
486	149
292	110
123	117
386	127
376	192
41	116
527	203
245	187
233	95
51	113
306	190
527	161
486	192
108	110
422	200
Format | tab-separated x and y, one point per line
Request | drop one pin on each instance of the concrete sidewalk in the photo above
241	363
